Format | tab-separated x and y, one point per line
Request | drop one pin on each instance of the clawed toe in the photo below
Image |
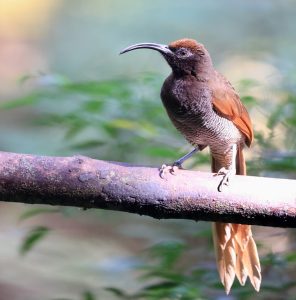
165	169
222	171
227	175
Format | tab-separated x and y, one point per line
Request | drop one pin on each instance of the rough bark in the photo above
88	183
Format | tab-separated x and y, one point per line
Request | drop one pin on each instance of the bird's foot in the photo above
169	169
227	176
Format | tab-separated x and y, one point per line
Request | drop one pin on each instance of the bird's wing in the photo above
227	103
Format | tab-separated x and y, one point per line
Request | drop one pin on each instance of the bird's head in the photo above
185	56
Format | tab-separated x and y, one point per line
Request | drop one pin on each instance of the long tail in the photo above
236	251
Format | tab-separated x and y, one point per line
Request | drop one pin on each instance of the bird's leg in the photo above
228	173
176	165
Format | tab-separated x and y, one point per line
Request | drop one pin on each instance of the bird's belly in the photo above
214	131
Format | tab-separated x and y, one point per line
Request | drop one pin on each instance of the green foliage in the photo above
119	119
165	277
87	295
285	114
33	237
37	211
124	120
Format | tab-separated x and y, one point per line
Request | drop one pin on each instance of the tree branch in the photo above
88	183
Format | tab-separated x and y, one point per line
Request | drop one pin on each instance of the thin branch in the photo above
88	183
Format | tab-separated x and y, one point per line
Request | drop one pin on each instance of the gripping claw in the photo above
166	169
227	176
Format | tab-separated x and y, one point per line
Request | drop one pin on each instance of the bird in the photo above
203	105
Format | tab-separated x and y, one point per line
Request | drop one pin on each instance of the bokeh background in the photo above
65	90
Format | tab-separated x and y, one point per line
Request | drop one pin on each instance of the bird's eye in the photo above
183	52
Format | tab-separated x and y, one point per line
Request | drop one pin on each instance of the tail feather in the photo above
236	255
225	253
240	271
236	251
252	264
241	235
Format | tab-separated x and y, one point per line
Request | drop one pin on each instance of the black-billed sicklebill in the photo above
205	108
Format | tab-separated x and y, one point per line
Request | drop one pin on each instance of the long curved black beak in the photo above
163	49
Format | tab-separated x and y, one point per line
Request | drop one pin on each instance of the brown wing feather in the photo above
228	104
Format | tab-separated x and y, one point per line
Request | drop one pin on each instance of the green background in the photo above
65	90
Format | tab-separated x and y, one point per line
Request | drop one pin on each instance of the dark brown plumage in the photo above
205	108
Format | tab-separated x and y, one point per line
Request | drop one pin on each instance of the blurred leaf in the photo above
93	106
161	273
164	151
170	290
32	238
74	130
87	144
248	100
273	259
117	292
51	79
37	211
124	124
160	289
168	253
207	232
285	114
23	79
280	162
247	83
291	257
87	295
27	100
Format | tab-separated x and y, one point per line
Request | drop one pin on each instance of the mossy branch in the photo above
88	183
